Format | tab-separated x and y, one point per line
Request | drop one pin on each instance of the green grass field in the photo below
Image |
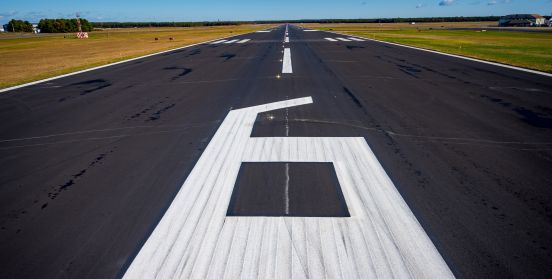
28	57
531	50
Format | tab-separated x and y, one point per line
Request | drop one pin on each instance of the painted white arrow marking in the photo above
195	238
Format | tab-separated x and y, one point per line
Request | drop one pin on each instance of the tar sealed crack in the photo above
74	178
87	87
183	71
156	115
352	96
227	56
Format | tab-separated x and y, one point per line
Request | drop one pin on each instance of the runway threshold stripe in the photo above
343	39
244	41
231	41
195	238
218	42
286	62
331	39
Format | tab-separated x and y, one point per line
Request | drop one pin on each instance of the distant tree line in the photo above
220	23
161	24
61	25
16	25
392	20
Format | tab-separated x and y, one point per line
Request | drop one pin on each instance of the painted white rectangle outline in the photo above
455	56
113	64
286	62
195	238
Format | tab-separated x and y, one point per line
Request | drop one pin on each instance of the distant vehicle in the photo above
522	20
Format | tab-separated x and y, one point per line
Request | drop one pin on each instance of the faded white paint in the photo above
195	239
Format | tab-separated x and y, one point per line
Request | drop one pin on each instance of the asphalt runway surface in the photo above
91	165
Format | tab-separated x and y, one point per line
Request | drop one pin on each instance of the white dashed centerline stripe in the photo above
231	41
331	39
343	39
286	62
244	41
286	39
195	238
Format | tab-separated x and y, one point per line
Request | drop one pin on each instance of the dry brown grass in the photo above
25	57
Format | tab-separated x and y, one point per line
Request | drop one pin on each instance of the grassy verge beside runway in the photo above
531	50
27	57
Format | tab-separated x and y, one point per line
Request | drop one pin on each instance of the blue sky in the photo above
187	10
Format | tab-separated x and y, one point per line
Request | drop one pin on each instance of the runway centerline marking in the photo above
195	238
286	62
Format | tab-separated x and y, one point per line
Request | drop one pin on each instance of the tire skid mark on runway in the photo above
195	238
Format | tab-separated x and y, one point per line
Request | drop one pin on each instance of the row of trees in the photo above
16	25
162	24
217	23
393	20
61	25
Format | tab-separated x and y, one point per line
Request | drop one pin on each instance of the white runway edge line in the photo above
286	62
331	39
195	238
457	56
113	64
